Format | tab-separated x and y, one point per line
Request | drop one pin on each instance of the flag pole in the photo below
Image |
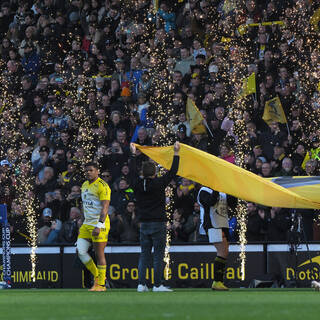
207	126
288	129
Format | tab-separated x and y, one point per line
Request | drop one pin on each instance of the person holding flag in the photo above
273	112
270	138
150	200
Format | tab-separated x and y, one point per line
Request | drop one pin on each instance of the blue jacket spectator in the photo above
168	17
31	63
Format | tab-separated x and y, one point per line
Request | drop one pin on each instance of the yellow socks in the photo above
91	266
99	272
101	275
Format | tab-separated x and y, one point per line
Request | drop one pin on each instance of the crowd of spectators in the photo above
82	79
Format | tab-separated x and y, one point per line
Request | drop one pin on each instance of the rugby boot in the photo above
219	286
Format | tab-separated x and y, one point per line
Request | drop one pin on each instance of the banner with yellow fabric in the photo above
273	111
223	176
307	187
194	117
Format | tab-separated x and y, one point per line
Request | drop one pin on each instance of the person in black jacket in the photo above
278	224
70	228
214	207
257	224
150	201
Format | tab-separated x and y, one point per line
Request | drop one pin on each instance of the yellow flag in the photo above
226	42
242	29
228	5
273	111
224	39
194	117
223	176
314	21
155	5
249	85
3	104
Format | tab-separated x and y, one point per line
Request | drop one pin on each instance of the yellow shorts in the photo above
85	232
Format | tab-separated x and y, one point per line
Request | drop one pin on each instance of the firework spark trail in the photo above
24	190
164	134
239	148
169	210
242	221
240	130
32	228
169	196
23	182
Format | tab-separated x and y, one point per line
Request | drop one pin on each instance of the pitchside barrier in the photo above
190	266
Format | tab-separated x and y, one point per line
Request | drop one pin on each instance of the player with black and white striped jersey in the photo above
214	207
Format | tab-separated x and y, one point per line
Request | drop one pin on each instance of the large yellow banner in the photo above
220	175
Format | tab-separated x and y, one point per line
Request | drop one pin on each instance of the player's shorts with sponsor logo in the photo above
85	232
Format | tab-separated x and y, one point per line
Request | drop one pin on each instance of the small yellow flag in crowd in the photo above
273	111
229	5
155	5
249	85
194	117
314	21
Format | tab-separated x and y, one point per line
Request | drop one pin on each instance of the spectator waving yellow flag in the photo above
220	175
194	117
273	111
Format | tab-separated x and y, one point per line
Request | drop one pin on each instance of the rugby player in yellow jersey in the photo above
95	194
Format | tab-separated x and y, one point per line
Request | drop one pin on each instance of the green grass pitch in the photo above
200	304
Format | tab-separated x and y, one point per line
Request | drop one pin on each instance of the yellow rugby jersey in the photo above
92	194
